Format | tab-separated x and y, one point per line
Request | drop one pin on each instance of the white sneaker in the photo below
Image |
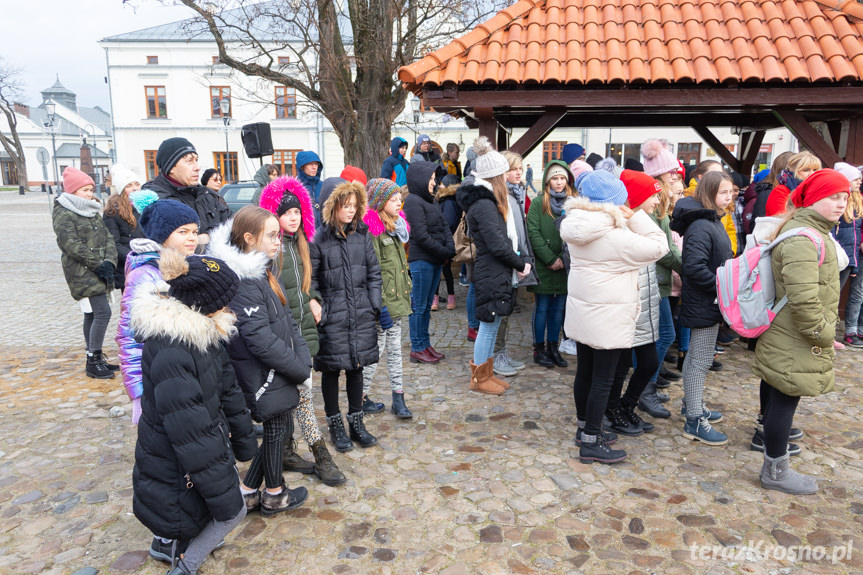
502	367
568	347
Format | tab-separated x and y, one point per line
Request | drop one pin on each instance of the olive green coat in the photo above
547	246
394	266
670	261
795	355
84	243
292	280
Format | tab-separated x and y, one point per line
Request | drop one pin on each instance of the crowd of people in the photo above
224	317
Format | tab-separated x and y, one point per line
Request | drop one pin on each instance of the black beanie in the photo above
632	164
208	285
208	173
593	159
288	201
170	152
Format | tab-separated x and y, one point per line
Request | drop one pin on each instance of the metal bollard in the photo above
20	190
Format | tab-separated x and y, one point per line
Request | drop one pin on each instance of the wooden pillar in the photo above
747	156
487	123
717	146
854	149
808	136
502	138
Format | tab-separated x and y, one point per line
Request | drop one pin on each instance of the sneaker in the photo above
852	340
568	347
285	500
515	364
502	367
757	444
462	281
598	451
161	551
701	430
609	437
712	416
838	346
718	349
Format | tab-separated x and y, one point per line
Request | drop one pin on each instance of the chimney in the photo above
22	109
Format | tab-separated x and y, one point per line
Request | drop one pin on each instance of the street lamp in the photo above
51	108
225	106
416	106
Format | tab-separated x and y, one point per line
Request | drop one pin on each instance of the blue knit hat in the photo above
602	186
571	152
160	219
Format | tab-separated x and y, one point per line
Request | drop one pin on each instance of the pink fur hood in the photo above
376	226
272	195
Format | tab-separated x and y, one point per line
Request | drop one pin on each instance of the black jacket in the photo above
194	420
211	210
431	238
495	258
346	272
269	339
705	247
123	234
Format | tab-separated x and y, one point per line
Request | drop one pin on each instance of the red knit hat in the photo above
74	179
354	174
639	187
819	185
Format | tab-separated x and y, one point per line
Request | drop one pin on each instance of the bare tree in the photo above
10	89
342	57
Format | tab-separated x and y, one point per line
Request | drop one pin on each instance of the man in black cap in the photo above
177	161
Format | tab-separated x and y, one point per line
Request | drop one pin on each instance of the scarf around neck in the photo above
556	199
401	231
786	178
80	206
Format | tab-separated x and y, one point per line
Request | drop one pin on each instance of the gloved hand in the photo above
307	384
136	410
106	271
385	319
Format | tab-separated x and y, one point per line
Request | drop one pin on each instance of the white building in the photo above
166	81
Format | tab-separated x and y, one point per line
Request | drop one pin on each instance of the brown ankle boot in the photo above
481	379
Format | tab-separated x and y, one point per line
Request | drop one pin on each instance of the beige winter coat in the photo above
606	251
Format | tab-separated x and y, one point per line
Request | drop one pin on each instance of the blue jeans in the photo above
483	347
425	278
683	338
548	317
470	306
666	334
852	307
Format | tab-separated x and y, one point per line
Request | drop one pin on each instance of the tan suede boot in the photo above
481	379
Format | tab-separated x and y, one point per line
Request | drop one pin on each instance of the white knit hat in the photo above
489	162
121	176
848	171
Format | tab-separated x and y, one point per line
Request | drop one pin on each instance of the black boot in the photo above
370	406
650	403
668	374
96	368
341	441
716	366
599	452
103	359
540	357
285	500
358	430
681	355
399	408
554	355
325	468
629	413
619	423
661	382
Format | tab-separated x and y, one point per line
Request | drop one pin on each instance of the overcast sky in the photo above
47	37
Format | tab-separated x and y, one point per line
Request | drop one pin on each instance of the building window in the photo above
764	157
623	152
227	169
284	60
150	164
157	106
286	161
9	172
286	102
152	59
216	95
551	151
689	154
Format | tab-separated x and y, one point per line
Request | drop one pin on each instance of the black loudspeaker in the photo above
257	140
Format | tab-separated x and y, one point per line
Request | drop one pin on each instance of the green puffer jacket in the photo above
84	242
547	246
668	262
394	266
292	280
795	355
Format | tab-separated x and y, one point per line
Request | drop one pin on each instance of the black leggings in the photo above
267	464
447	276
646	363
330	390
594	377
96	323
778	414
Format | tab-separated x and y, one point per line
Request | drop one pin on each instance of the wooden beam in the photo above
747	158
808	136
736	98
487	123
854	149
835	129
716	145
502	138
538	132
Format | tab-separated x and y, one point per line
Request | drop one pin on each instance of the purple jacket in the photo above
139	275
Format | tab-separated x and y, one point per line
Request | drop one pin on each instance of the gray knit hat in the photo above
489	162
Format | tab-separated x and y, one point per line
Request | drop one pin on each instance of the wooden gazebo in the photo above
749	64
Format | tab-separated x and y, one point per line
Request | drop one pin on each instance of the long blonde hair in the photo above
854	208
803	161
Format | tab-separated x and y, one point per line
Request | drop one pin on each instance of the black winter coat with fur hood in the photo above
194	420
495	258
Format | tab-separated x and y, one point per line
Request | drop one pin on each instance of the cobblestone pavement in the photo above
473	484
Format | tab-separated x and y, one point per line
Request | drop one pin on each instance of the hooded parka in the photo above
431	238
394	265
395	166
795	354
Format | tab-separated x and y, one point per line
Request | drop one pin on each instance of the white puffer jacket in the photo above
647	324
606	251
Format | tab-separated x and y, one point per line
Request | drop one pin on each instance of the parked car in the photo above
239	194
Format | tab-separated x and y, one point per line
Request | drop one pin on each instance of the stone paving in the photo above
473	484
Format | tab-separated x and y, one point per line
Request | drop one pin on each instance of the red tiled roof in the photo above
653	41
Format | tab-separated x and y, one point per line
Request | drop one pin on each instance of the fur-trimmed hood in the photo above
246	265
592	220
447	192
155	315
469	193
342	191
376	226
272	195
